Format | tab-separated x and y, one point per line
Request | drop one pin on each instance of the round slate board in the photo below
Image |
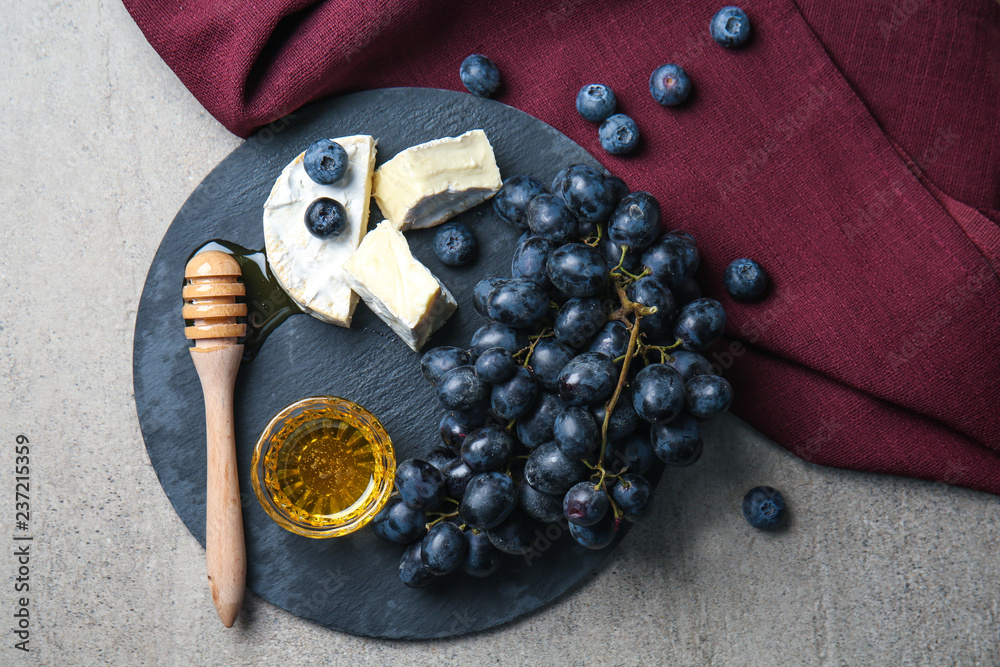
349	583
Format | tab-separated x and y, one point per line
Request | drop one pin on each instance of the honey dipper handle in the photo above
225	550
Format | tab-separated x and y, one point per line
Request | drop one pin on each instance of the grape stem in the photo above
440	517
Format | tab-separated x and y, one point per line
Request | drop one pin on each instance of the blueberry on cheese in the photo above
427	184
397	287
309	268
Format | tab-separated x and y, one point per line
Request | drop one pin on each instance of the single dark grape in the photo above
453	431
690	364
496	365
623	418
442	548
658	393
635	222
634	451
412	570
548	360
586	192
686	292
549	216
632	493
489	498
514	536
677	443
398	522
618	188
481	291
585	505
544	507
515	398
461	389
700	324
420	485
518	303
672	260
537	426
578	320
611	341
531	258
577	269
597	536
551	471
439	360
511	202
576	433
481	558
587	379
630	259
708	396
488	448
457	475
651	293
439	456
494	334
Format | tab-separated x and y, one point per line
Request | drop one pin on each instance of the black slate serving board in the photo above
349	583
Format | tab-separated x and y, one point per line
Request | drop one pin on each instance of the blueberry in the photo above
479	75
488	448
481	558
577	433
514	536
579	320
745	280
518	303
550	471
439	360
461	389
538	426
623	419
611	340
548	360
690	364
677	443
550	217
634	451
730	27
635	222
576	269
489	498
764	508
595	102
457	475
585	505
658	393
496	365
455	244
530	260
618	134
481	291
632	494
326	218
420	485
442	548
515	398
494	334
511	202
587	193
412	570
651	293
597	536
587	379
708	396
545	507
453	431
700	324
398	522
672	260
669	85
325	161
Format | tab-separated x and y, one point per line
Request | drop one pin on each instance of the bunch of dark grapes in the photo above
587	369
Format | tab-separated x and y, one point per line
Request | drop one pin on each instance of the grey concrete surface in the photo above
101	144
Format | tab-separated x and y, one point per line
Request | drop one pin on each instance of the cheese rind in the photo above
400	290
427	184
310	269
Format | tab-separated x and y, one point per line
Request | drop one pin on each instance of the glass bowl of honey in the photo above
323	467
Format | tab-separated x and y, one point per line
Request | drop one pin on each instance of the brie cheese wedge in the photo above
397	287
310	269
429	183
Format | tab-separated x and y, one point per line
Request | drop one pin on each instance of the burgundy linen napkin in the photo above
851	148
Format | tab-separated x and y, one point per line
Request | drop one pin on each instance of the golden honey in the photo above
323	467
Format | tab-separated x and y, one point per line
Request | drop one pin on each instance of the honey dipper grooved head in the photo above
210	298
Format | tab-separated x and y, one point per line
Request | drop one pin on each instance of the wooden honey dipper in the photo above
210	292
